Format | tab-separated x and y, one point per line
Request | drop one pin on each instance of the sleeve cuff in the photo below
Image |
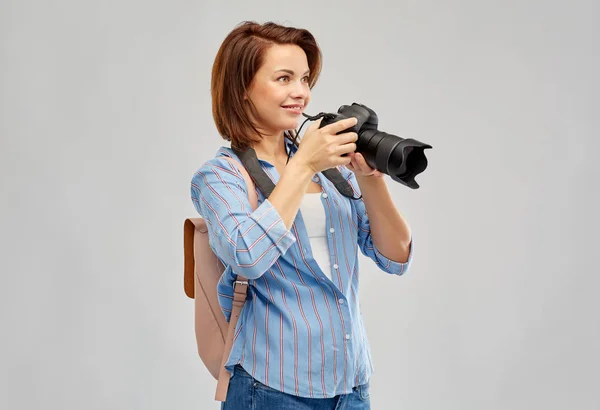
269	220
393	267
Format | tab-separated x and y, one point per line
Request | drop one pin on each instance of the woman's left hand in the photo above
359	166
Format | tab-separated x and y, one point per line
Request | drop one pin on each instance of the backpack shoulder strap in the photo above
252	196
240	290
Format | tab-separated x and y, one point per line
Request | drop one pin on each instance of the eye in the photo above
306	79
283	78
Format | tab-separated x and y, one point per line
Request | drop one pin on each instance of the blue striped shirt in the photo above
299	332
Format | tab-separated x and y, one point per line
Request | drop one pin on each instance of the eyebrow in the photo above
285	70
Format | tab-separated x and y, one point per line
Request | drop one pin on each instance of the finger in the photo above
346	149
347	137
361	160
346	161
340	126
364	166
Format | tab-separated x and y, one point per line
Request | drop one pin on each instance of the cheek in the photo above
279	95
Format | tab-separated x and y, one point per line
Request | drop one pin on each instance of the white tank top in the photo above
313	215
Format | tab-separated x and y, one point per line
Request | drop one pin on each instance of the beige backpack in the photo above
202	271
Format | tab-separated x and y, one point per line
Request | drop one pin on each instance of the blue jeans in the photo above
247	393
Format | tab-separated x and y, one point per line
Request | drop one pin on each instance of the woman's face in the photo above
280	90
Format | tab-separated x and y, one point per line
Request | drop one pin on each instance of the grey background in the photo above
105	115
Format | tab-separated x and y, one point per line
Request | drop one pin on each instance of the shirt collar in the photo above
290	146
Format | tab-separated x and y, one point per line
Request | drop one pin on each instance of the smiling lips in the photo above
293	108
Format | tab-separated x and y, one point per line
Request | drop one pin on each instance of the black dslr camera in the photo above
400	158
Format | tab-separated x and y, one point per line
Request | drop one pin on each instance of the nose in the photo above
300	90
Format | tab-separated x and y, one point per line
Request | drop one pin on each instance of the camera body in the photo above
367	118
400	158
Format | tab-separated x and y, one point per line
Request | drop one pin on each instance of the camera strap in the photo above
340	183
265	184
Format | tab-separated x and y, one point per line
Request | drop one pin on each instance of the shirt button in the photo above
341	301
324	195
335	266
331	230
316	179
347	336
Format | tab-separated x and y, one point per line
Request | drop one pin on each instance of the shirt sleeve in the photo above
249	241
365	240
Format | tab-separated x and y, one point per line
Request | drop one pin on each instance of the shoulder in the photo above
219	164
217	171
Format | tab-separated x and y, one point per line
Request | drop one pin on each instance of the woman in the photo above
300	342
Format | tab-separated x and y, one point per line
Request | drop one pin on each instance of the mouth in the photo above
294	108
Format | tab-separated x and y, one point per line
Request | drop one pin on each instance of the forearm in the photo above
289	191
389	230
249	240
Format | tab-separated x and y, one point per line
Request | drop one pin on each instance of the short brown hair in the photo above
237	61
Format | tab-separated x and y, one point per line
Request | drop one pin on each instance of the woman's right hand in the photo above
322	148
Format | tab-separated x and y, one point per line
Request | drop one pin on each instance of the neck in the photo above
271	148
